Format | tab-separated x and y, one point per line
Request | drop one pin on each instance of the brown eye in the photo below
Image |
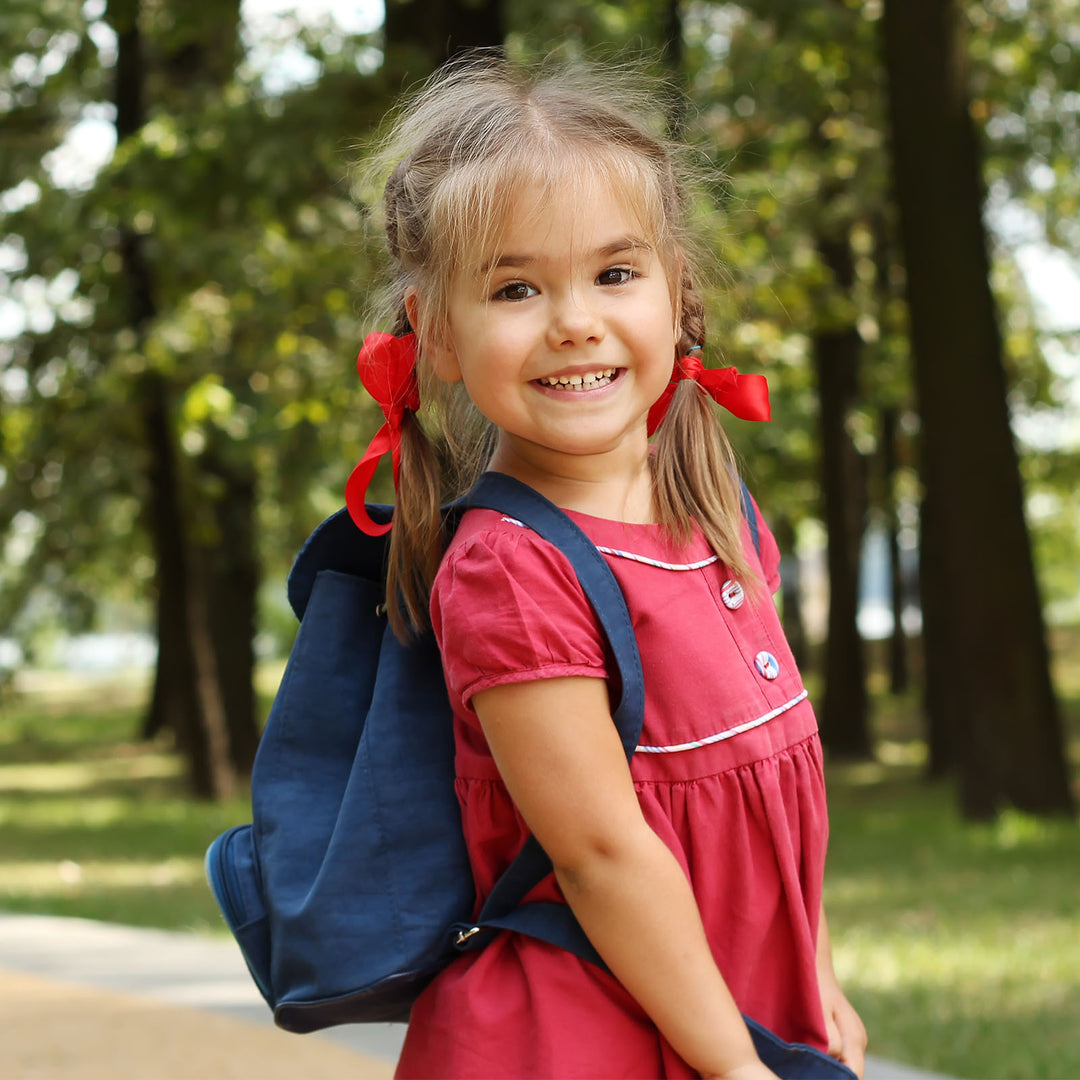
516	290
615	275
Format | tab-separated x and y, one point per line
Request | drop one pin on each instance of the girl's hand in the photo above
847	1035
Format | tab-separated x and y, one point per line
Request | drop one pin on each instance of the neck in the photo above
616	486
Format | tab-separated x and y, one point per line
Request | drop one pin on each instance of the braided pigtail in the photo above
691	314
416	539
695	473
416	542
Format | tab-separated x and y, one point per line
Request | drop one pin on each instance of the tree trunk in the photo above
186	697
844	709
986	654
440	29
674	56
233	573
791	593
174	704
473	24
943	695
898	644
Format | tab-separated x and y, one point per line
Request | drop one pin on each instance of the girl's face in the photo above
566	335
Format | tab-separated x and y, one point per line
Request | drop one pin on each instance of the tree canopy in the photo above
181	314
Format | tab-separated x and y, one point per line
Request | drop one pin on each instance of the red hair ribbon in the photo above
745	396
387	367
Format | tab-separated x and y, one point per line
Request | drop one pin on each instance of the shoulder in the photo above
506	606
489	543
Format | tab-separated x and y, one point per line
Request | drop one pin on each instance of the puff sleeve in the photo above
506	607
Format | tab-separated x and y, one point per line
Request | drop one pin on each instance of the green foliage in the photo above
788	110
788	102
240	199
1025	71
239	192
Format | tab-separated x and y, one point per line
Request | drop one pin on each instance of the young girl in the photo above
537	232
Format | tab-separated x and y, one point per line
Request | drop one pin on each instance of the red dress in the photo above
728	773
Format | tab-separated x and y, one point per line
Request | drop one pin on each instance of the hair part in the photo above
460	152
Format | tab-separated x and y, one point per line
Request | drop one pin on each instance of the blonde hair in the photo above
461	148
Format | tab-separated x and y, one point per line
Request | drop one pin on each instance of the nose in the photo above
574	322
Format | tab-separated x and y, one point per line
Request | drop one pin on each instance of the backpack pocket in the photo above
233	873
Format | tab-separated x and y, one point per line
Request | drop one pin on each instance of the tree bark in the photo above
174	705
943	695
186	697
845	706
440	29
791	593
986	654
674	57
233	573
898	644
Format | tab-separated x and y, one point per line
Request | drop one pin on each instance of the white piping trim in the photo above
656	562
730	733
635	558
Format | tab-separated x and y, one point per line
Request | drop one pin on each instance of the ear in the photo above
438	351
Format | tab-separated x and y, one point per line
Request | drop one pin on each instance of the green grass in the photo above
958	943
96	824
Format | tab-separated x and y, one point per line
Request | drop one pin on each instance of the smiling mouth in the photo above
589	380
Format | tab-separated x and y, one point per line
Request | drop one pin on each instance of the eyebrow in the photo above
616	247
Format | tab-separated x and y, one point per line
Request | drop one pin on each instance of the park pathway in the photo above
84	1000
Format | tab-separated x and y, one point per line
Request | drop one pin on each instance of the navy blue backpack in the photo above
352	888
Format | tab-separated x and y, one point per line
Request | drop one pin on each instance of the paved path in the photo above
82	1000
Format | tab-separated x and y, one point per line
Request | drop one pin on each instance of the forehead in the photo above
544	223
561	201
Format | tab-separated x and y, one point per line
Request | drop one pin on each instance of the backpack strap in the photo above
750	515
503	910
496	491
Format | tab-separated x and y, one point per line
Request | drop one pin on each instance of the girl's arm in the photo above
560	757
847	1036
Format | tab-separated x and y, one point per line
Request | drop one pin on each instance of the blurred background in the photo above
184	264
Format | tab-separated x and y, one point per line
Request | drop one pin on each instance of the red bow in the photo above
745	396
387	367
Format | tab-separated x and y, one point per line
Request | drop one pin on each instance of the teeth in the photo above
589	381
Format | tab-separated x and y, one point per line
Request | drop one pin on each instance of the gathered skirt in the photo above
746	819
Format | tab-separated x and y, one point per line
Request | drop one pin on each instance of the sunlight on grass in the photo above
68	878
80	775
53	692
958	943
95	822
893	752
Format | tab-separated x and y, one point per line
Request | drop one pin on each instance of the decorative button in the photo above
767	666
731	592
